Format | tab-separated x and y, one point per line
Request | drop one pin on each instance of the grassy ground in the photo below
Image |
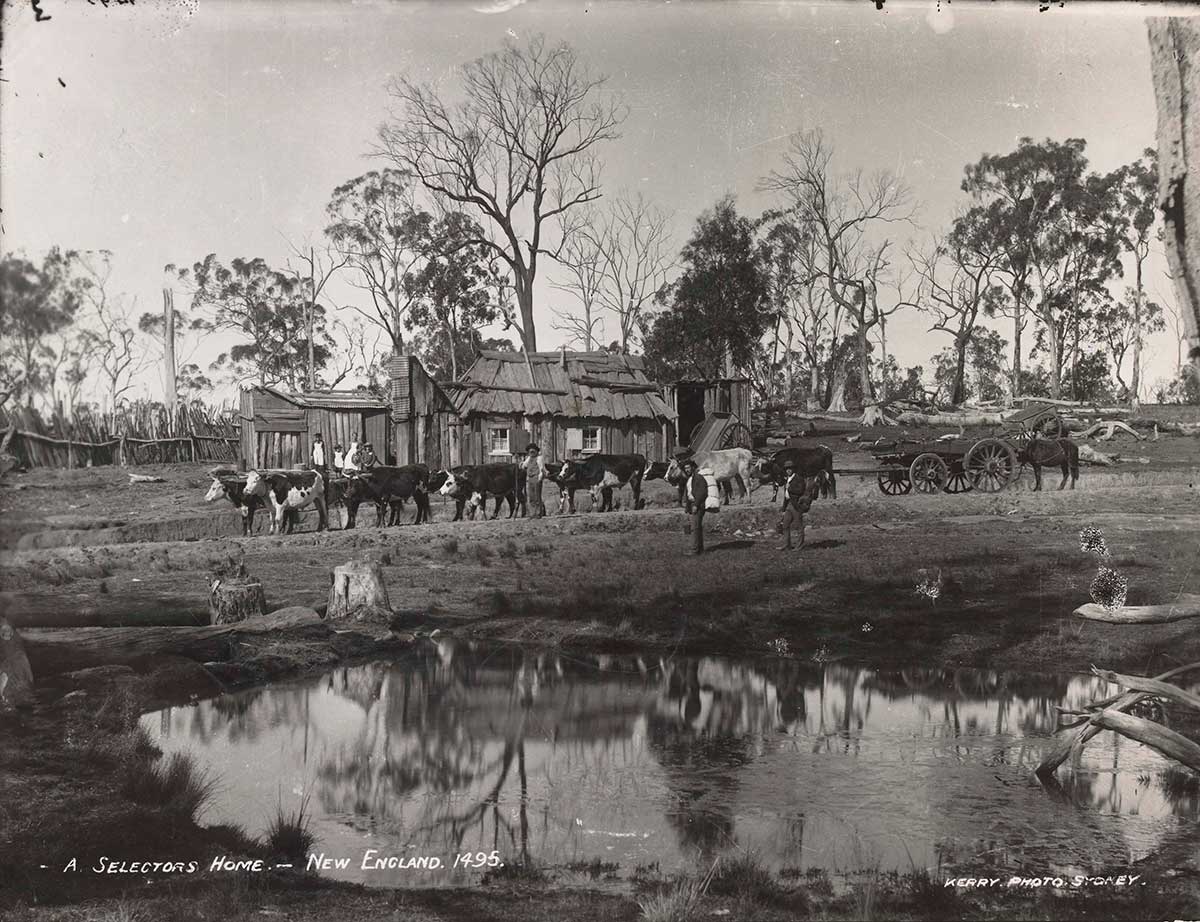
85	547
1009	567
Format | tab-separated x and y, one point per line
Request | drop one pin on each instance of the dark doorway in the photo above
689	403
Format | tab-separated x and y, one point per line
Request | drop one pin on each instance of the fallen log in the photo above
1089	455
54	650
1150	686
1122	702
910	418
1110	427
1171	744
1186	606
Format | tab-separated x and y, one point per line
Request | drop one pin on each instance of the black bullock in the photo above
474	484
601	474
388	486
810	462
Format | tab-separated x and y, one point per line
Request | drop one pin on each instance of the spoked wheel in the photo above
895	483
929	473
959	482
1049	426
736	436
991	465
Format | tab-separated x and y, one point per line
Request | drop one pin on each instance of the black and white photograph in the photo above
599	460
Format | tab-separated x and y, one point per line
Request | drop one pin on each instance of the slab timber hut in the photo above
424	420
277	427
692	401
568	403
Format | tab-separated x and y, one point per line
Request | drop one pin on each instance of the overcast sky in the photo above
164	131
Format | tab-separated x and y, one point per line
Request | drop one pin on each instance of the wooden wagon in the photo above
952	466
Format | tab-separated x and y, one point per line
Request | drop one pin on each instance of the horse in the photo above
1039	452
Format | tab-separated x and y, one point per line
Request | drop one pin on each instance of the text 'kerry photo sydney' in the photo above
599	460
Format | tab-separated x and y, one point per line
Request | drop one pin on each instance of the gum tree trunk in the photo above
1175	68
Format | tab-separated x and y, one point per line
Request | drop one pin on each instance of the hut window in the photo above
498	441
591	438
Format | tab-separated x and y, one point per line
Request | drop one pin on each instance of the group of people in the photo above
797	500
359	457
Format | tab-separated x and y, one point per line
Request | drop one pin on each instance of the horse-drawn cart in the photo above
957	466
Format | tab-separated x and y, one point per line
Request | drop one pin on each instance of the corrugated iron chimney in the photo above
563	355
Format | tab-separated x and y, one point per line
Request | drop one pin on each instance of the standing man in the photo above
697	491
796	502
535	475
366	457
318	455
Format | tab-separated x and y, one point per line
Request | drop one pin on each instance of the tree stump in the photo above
235	599
357	592
16	678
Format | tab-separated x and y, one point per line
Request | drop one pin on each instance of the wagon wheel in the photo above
1049	426
929	473
894	483
736	436
959	481
991	464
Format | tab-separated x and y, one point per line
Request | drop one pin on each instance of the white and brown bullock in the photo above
227	484
286	490
728	465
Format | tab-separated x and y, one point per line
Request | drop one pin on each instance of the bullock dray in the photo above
958	465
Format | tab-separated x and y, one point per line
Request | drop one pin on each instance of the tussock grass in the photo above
679	903
449	545
177	785
744	877
290	833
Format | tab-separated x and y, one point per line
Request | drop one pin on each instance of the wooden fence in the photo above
140	433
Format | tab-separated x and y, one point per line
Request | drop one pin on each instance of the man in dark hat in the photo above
797	500
366	457
535	475
697	488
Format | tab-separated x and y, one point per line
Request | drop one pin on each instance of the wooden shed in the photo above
693	401
568	403
424	420
277	427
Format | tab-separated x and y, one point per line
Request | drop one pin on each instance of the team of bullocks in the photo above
351	476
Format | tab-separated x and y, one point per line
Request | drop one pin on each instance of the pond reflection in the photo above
636	760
